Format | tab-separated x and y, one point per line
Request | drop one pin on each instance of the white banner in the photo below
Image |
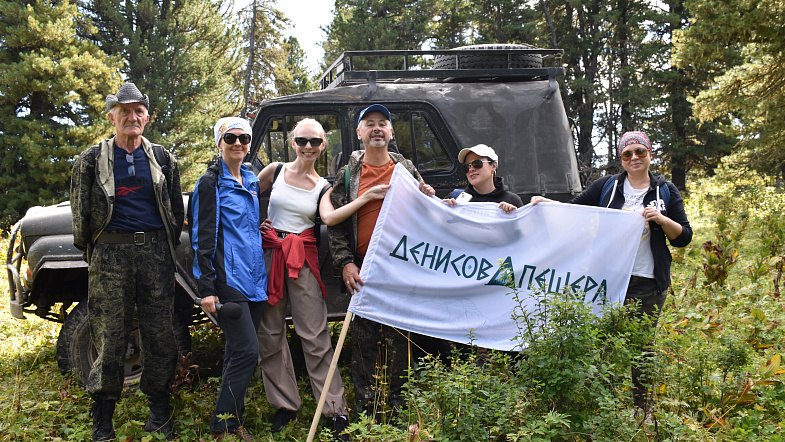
435	269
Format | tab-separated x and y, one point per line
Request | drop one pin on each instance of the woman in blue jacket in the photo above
639	190
229	264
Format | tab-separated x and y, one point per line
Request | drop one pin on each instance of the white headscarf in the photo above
228	123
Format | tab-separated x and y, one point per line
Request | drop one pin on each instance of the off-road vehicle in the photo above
505	96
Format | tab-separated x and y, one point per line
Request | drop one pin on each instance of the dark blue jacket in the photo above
228	261
674	210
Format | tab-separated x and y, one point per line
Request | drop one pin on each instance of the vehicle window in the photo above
413	129
277	145
272	149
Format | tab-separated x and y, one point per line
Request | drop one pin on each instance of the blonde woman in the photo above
292	264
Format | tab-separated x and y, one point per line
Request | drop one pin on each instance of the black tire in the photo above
75	347
489	61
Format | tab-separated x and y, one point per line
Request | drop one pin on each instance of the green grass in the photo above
717	351
37	403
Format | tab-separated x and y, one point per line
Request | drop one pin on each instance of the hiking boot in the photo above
102	411
282	418
160	420
340	424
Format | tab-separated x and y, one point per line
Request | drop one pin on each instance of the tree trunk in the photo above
550	23
624	62
251	61
679	174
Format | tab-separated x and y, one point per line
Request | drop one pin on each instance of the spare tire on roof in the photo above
489	61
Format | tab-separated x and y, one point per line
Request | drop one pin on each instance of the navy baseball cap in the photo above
373	108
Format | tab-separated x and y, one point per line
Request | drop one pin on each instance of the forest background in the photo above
703	78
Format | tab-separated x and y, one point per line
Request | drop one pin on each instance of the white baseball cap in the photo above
481	150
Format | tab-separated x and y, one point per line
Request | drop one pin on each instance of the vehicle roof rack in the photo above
345	71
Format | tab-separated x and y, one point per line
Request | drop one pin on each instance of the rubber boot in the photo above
160	420
102	411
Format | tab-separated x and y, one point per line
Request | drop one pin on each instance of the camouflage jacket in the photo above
92	195
343	236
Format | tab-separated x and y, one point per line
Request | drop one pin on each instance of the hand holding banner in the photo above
439	271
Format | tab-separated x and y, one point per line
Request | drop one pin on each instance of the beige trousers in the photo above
309	315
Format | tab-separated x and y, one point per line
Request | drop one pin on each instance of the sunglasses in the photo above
640	152
129	157
230	138
477	164
302	141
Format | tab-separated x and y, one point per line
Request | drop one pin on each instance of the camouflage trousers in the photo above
124	279
380	358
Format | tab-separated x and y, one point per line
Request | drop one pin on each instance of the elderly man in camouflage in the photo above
127	214
375	347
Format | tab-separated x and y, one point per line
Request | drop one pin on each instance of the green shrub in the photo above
571	380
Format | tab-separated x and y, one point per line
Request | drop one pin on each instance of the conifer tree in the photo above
452	24
738	45
274	64
185	54
299	78
581	27
52	101
376	25
686	143
504	21
628	62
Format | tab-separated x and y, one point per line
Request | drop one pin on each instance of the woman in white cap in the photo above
479	164
291	256
229	265
637	189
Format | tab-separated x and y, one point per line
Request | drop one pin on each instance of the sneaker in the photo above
282	419
340	424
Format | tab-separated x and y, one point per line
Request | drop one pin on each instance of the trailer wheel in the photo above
75	347
489	61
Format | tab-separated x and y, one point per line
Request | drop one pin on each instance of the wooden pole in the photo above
333	364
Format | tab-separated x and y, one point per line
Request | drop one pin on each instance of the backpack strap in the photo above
277	171
318	219
665	194
346	179
317	228
161	158
606	188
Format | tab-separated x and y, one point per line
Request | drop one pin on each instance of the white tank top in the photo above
293	209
